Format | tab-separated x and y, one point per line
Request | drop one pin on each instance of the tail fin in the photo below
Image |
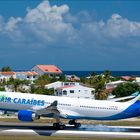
137	98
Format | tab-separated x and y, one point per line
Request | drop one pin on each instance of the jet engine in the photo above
28	116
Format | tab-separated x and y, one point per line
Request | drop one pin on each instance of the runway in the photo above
94	131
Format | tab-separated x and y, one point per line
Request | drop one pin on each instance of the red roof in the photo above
49	68
126	77
65	87
29	73
8	73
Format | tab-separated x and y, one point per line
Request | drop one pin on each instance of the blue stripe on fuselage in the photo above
132	111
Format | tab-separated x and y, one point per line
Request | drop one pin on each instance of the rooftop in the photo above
116	82
29	73
8	73
49	68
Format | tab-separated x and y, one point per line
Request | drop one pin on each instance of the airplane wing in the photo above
52	109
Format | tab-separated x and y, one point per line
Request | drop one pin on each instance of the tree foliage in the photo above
102	95
125	89
2	89
16	84
107	75
97	82
6	68
40	90
43	80
39	85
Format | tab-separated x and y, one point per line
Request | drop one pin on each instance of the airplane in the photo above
30	107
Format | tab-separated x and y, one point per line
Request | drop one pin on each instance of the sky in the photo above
71	34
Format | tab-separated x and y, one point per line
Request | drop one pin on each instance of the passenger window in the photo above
64	92
71	91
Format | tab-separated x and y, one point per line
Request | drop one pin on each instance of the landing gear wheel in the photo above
77	125
59	126
73	122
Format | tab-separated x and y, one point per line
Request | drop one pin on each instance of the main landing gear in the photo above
73	122
59	126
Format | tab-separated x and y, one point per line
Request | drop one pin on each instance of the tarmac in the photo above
94	131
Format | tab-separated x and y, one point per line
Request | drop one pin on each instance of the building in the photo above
72	77
127	78
61	84
77	91
111	85
51	70
5	76
137	81
27	75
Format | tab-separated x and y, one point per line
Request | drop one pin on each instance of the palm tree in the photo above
93	74
107	74
101	95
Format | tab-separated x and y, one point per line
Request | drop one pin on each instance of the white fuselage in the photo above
74	108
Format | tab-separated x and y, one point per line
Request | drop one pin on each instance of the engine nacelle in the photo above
28	116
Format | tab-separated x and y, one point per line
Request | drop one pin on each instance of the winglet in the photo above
137	98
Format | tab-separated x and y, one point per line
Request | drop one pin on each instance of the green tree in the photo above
107	75
53	79
42	81
17	84
83	80
98	82
2	89
62	78
39	90
6	68
102	95
93	74
125	89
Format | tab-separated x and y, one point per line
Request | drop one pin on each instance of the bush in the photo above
2	89
125	89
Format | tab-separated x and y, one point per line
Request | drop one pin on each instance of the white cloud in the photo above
117	26
45	13
56	25
116	17
47	22
12	23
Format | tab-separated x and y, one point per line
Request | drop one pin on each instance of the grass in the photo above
23	137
